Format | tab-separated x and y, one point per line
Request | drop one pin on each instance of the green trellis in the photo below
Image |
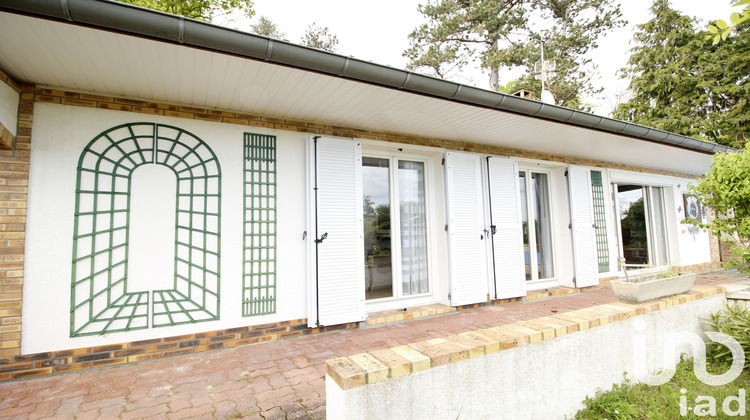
602	246
100	301
259	271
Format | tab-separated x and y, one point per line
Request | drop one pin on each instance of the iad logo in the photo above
705	405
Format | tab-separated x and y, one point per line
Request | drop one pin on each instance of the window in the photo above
642	233
395	235
537	225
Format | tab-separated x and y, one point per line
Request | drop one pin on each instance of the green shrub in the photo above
734	322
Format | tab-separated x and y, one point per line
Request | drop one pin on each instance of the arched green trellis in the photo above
100	301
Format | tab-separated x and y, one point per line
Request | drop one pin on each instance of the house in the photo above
170	186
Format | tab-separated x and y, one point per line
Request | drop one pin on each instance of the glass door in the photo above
377	227
642	227
537	225
395	235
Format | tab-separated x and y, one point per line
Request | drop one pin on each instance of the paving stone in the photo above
203	411
157	410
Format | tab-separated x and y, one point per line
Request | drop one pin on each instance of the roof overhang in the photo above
121	50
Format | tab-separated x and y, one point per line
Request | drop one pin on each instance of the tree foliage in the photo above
720	30
683	83
197	9
508	34
267	27
726	191
320	37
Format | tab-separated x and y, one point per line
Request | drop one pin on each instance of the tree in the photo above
726	191
266	27
509	33
320	38
197	9
681	82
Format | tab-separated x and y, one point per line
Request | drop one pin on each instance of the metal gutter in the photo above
128	19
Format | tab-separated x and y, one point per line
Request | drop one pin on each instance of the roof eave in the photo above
124	18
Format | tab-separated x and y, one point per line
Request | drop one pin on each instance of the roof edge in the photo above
133	20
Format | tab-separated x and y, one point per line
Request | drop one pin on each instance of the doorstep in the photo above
395	315
423	311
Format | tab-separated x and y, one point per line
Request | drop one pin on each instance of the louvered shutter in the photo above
336	265
467	251
583	225
507	242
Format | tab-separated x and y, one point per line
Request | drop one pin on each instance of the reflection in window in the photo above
377	229
642	224
633	224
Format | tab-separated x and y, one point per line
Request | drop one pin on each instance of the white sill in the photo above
533	285
390	303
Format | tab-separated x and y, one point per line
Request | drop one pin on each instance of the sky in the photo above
378	31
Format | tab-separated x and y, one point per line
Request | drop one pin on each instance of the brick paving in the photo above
275	380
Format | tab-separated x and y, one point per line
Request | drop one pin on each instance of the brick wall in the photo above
14	171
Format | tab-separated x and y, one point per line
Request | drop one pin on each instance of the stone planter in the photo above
643	291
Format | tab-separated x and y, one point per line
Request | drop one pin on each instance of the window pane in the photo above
413	217
633	224
659	228
377	227
543	226
525	223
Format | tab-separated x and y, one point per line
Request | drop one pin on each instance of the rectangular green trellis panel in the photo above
602	246
259	271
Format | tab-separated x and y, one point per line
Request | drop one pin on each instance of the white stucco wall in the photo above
60	135
546	380
692	248
9	100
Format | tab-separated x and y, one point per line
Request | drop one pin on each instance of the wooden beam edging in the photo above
376	366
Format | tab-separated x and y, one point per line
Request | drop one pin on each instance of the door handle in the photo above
322	238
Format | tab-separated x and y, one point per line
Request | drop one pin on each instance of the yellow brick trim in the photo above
365	368
14	173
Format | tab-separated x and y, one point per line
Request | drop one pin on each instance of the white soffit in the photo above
74	57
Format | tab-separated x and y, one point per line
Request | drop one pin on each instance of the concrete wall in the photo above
545	380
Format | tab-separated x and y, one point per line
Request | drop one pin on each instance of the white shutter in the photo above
336	283
584	231
467	251
507	242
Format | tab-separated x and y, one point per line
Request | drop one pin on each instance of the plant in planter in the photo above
651	285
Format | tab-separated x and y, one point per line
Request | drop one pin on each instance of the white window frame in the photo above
527	169
394	154
649	214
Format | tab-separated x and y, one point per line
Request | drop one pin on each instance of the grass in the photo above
685	396
641	401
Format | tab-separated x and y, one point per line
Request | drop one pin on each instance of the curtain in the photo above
659	227
413	216
544	233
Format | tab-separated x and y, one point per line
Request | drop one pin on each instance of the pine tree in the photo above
509	33
684	83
